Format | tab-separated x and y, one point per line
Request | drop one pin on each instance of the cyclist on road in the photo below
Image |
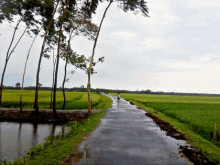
118	96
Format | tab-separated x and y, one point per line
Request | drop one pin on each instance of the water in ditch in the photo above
16	138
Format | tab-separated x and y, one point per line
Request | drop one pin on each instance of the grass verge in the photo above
55	149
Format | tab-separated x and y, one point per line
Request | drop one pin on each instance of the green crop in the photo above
74	100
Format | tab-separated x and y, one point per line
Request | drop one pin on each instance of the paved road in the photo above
126	136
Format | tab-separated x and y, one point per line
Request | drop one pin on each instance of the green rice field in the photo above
197	113
74	100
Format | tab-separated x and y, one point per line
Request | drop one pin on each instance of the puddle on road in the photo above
75	158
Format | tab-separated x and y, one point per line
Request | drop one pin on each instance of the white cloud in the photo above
123	35
154	43
194	63
196	40
216	46
203	3
189	81
179	65
160	13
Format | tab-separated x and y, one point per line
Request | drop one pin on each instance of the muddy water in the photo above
16	138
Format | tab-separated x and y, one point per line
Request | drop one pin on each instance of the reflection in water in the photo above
34	135
19	146
53	130
75	158
16	138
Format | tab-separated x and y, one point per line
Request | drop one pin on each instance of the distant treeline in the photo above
98	90
79	89
156	93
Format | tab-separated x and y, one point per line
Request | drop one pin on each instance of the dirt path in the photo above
126	135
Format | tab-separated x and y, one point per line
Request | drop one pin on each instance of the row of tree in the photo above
99	90
58	22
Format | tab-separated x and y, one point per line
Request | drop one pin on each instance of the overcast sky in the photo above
175	49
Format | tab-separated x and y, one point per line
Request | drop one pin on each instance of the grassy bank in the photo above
74	100
55	149
194	116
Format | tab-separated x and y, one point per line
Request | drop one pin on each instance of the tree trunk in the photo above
93	52
57	65
22	87
7	58
1	87
51	100
21	103
36	107
64	80
88	90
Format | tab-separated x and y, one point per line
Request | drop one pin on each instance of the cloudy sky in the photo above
175	49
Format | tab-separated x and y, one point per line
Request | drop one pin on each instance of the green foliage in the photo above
9	8
98	91
89	7
136	6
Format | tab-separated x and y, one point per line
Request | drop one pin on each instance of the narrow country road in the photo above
126	136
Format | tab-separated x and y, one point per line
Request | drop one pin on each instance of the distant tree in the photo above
148	91
18	85
135	6
82	86
40	85
98	90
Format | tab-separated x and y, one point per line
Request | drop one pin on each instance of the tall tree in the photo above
25	66
25	9
64	10
78	24
8	55
50	12
67	8
136	6
51	94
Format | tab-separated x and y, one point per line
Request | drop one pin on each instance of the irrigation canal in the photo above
16	138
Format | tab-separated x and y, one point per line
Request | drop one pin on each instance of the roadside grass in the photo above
194	116
74	100
55	149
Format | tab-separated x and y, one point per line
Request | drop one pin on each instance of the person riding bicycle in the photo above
118	96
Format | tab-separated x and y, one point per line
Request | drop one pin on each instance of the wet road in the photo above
126	136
